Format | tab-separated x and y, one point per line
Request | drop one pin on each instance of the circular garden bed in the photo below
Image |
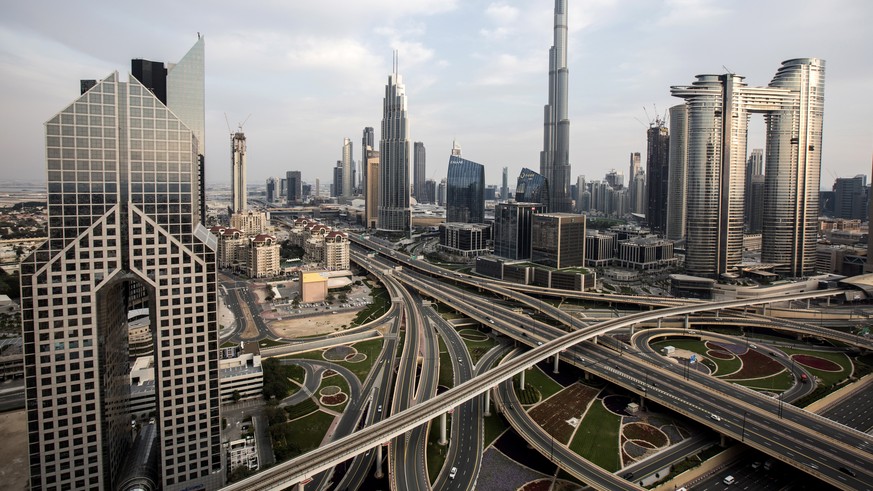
338	353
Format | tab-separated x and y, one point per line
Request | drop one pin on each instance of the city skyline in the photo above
494	111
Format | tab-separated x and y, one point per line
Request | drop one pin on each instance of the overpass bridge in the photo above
303	467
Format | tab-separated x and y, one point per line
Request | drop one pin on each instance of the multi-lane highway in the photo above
297	469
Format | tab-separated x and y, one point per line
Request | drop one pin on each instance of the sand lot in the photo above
13	452
311	325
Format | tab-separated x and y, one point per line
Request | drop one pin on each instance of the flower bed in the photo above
645	432
756	365
334	400
817	363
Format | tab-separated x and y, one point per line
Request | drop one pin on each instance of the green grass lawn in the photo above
436	453
596	439
725	367
827	378
542	382
298	437
775	383
478	349
301	409
339	381
494	426
377	308
371	348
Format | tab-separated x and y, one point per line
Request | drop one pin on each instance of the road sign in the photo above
693	359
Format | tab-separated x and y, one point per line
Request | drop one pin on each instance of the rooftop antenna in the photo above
728	70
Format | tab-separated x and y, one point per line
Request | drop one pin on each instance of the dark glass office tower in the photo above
294	187
657	174
465	193
124	231
532	188
512	229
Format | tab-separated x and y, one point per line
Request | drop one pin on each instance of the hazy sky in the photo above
313	72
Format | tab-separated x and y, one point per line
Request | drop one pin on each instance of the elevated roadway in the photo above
328	455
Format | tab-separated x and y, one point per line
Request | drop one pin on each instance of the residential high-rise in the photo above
718	113
634	169
441	193
555	157
465	192
504	189
294	187
371	191
394	212
419	172
676	185
581	194
238	196
657	175
132	238
347	184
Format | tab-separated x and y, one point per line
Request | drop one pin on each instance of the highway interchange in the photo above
774	428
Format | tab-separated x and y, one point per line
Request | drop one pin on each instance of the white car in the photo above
453	473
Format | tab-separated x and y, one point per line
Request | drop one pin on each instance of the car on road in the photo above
756	465
379	409
715	416
729	480
846	470
453	472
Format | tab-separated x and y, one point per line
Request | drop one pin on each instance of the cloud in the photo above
501	13
689	12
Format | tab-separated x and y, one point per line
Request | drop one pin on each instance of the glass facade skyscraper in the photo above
465	193
124	232
657	175
555	157
512	229
532	188
394	212
718	109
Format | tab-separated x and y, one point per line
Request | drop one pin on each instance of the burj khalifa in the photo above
555	157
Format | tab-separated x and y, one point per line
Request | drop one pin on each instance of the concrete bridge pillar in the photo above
378	474
488	402
557	358
722	441
632	327
659	323
687	322
300	486
443	440
521	382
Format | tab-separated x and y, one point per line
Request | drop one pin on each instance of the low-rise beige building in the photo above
313	287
